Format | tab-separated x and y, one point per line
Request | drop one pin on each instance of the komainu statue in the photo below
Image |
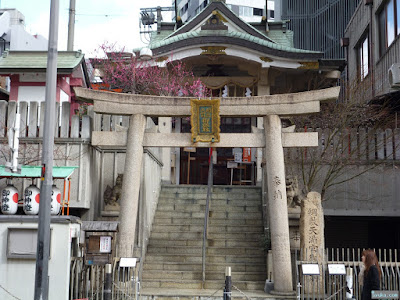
293	192
112	196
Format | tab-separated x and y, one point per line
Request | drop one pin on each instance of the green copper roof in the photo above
284	39
227	7
38	60
35	172
232	34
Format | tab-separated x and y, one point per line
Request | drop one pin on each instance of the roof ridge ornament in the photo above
215	22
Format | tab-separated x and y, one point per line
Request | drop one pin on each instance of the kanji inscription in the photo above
205	120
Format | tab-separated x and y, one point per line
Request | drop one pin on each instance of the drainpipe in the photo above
372	47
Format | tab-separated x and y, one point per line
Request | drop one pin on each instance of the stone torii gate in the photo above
270	107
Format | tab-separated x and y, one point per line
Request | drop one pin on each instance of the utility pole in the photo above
43	241
71	25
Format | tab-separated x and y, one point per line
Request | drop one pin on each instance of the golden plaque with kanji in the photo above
205	120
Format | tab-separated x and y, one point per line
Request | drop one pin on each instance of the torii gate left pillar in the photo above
131	185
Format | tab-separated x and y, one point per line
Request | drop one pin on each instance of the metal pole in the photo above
228	284
71	25
176	10
43	241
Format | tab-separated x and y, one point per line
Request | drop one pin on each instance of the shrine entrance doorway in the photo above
234	166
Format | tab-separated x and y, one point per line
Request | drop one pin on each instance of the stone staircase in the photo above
174	253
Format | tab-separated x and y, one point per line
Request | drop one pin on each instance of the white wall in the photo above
64	96
31	93
17	276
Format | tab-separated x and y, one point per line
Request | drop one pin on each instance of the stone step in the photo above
218	259
177	235
203	196
174	253
209	251
188	275
202	208
228	201
211	229
210	243
200	221
171	266
197	284
213	214
203	188
191	235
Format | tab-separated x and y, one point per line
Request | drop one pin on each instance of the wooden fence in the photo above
353	145
32	120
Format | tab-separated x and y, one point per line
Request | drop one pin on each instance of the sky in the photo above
97	21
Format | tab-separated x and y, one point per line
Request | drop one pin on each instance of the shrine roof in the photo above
36	171
13	61
218	25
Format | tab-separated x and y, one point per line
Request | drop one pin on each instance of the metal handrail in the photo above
209	186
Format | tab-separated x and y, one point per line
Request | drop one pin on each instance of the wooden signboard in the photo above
205	120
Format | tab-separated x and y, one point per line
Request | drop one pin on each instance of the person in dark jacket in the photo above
372	274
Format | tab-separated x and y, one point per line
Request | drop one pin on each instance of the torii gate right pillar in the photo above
278	212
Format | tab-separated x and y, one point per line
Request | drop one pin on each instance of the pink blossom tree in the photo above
122	70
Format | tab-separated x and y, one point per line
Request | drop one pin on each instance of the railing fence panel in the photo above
333	286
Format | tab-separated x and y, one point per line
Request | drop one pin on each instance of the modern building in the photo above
13	35
250	11
318	25
372	46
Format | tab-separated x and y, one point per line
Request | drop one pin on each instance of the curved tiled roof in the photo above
229	38
275	43
37	60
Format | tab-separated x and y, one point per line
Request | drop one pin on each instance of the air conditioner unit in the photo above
394	76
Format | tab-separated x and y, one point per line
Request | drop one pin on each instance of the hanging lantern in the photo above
9	200
31	201
55	200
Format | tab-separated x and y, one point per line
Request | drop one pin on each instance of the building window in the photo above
363	57
257	11
245	11
398	15
389	24
272	14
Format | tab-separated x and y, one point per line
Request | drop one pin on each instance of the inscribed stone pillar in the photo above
131	185
312	227
312	234
278	213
